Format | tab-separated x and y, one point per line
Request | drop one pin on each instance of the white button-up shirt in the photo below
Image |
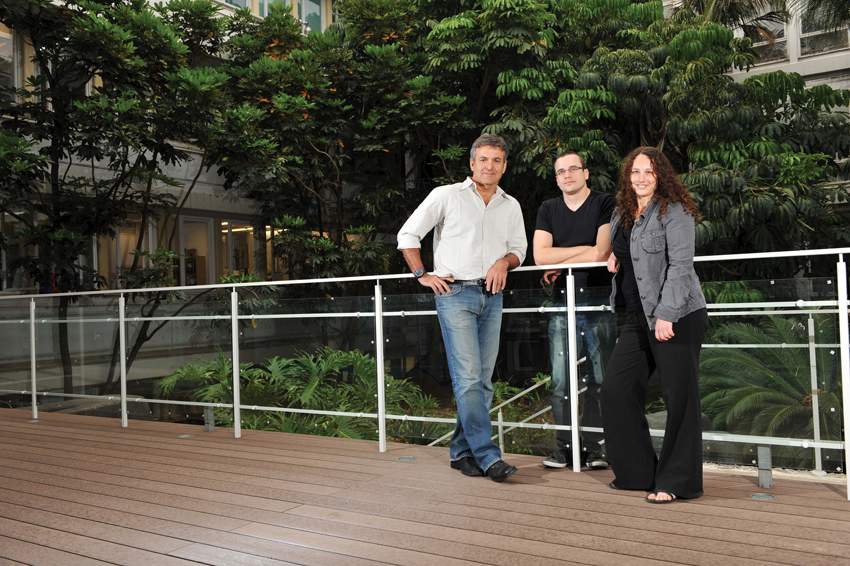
469	236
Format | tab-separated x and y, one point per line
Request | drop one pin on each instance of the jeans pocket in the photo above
454	289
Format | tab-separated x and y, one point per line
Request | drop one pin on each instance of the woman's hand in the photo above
613	264
663	330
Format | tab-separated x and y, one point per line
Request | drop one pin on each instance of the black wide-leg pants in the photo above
678	468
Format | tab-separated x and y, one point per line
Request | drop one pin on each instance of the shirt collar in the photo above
470	184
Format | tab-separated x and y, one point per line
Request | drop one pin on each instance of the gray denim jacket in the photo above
662	252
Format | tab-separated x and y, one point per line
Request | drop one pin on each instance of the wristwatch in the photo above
419	272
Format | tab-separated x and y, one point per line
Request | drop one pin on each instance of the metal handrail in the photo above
387	277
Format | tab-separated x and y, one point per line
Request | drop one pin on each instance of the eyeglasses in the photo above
571	169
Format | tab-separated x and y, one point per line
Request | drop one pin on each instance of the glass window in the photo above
310	12
128	236
7	62
769	43
222	255
241	248
274	262
106	267
115	254
196	251
265	5
237	3
817	37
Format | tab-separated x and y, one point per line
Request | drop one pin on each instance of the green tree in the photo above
96	128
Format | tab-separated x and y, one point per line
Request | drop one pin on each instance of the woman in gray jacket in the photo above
661	321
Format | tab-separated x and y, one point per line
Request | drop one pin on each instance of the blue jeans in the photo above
588	342
471	320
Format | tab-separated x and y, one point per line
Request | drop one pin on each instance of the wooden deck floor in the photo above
79	490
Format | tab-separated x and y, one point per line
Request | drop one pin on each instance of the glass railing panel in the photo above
826	399
418	383
548	360
15	362
74	353
178	348
766	370
315	356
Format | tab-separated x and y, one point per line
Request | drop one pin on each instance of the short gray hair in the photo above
488	140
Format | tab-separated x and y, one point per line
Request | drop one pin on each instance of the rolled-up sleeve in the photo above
680	234
424	218
517	242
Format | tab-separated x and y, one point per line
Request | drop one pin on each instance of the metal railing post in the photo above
234	340
33	385
379	362
572	363
813	371
844	343
501	422
122	344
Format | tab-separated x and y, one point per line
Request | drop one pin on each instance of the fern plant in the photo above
327	380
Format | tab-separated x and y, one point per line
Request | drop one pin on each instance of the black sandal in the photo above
657	501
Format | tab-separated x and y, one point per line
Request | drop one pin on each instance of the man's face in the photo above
488	165
570	175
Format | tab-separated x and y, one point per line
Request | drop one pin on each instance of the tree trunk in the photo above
64	349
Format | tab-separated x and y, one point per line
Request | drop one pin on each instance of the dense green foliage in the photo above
328	380
352	126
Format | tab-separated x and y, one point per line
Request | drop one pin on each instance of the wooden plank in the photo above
503	534
233	451
57	518
107	526
52	498
273	498
764	511
350	547
183	474
590	519
152	458
16	551
615	503
217	556
22	470
83	545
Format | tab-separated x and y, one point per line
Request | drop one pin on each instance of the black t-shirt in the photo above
577	228
628	296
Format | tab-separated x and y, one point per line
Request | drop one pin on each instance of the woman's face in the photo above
643	178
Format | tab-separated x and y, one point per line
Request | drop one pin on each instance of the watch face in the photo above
419	273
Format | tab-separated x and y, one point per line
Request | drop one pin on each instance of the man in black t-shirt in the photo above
574	227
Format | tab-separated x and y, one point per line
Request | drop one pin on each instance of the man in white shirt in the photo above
479	235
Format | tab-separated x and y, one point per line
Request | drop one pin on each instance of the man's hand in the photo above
549	276
613	264
497	276
663	330
440	285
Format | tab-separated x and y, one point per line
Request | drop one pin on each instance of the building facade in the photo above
802	45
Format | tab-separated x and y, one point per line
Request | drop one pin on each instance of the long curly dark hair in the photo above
669	186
